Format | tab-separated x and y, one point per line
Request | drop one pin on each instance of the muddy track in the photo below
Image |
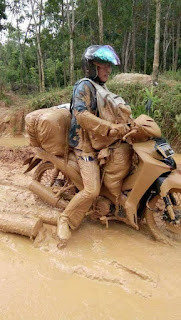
103	273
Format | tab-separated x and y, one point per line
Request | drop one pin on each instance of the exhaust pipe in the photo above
47	195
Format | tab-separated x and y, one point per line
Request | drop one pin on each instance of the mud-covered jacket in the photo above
94	109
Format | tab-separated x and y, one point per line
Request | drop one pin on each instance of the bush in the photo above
172	75
50	99
165	107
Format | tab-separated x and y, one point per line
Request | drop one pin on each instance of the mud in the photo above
110	274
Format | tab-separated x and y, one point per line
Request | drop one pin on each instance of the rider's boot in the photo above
63	230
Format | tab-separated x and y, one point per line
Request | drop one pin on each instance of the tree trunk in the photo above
71	24
177	43
127	53
146	36
21	55
55	74
39	51
166	40
173	42
133	36
157	43
71	59
100	16
123	50
41	66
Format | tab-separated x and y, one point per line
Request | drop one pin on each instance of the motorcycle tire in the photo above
46	174
49	176
161	229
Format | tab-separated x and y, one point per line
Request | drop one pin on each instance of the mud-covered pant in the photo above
82	201
115	170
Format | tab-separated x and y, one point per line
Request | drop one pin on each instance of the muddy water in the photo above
111	274
13	141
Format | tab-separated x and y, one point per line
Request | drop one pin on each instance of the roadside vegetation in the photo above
165	105
164	101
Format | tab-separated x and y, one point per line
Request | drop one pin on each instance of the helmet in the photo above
98	53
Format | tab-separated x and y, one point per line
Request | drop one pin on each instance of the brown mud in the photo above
111	274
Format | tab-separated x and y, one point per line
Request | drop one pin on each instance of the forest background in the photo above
45	40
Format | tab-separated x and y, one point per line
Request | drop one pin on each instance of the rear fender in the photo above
33	162
67	167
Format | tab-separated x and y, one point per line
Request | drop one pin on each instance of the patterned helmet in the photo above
98	53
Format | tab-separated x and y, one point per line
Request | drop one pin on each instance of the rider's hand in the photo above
118	130
130	136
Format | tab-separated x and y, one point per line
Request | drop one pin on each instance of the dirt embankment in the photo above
12	115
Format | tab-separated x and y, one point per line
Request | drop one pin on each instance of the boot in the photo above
63	231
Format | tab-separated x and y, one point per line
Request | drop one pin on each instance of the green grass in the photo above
7	100
50	99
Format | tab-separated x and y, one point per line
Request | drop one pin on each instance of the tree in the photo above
134	35
157	43
37	17
146	35
71	25
2	13
100	16
175	64
166	35
48	52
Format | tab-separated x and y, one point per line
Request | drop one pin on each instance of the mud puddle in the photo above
14	141
110	274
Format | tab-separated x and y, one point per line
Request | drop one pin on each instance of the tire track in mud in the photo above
139	283
139	274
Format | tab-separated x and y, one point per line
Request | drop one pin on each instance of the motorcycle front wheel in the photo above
158	221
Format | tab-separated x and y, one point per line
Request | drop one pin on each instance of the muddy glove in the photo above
118	130
136	133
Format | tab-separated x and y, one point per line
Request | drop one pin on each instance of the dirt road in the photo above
111	274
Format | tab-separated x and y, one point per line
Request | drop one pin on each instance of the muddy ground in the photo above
111	274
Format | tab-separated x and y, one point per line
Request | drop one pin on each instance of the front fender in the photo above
173	181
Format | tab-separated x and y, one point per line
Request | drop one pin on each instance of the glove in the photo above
118	130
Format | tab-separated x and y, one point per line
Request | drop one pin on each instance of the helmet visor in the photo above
106	54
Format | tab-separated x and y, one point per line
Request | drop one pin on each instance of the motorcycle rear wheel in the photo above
162	230
49	176
45	173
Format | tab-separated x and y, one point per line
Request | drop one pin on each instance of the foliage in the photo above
5	98
2	12
50	99
172	75
18	55
165	105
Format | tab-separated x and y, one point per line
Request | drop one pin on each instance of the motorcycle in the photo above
151	192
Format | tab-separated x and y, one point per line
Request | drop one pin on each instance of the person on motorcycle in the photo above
97	127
